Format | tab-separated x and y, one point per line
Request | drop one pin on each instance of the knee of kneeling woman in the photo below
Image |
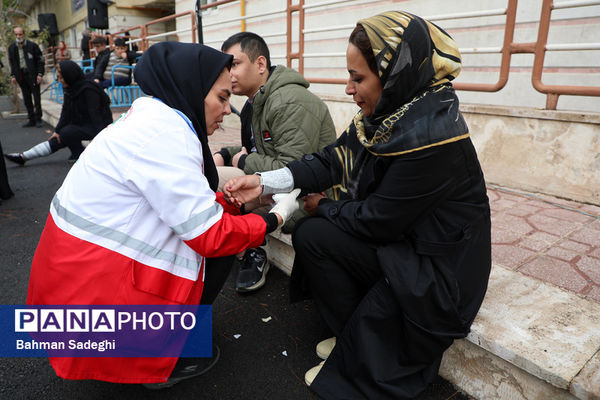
304	232
312	236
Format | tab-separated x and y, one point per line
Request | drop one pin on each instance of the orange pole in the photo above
552	91
507	49
288	34
243	14
193	27
301	37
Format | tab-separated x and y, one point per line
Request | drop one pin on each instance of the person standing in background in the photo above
62	53
85	47
27	69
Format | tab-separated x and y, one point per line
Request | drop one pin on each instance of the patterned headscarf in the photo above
415	59
412	54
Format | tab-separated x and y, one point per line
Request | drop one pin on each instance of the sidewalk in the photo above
537	335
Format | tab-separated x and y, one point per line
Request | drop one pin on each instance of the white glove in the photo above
285	204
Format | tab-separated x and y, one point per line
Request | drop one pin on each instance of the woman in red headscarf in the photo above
62	53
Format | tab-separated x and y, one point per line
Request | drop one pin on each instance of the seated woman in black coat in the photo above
85	112
398	261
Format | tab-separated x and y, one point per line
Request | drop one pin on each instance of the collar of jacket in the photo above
279	76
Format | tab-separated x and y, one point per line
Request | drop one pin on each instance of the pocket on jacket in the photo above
157	282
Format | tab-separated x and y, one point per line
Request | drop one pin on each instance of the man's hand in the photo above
236	158
97	80
39	79
13	80
242	189
218	159
311	202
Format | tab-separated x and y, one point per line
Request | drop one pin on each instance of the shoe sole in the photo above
174	381
258	284
322	355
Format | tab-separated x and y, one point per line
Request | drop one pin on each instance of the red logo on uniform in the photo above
266	136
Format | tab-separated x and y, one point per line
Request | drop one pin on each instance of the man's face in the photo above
99	47
246	76
19	34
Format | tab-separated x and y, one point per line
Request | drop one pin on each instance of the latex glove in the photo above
285	204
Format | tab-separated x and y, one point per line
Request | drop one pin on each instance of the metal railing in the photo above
295	47
509	47
541	47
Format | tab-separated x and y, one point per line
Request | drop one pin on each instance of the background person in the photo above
85	112
103	71
137	221
132	46
99	45
398	262
62	53
86	37
281	121
27	69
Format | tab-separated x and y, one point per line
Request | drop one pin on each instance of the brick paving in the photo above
548	238
225	136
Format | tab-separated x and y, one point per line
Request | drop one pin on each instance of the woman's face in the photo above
363	85
216	102
59	77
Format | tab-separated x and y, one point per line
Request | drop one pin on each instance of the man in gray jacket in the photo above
281	121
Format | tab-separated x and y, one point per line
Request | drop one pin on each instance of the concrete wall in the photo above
552	152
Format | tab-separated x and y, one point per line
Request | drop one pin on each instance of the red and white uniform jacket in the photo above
131	224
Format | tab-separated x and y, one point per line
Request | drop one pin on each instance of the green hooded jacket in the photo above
288	121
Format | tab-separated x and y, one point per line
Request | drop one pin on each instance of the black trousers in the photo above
340	268
5	192
71	137
30	88
216	272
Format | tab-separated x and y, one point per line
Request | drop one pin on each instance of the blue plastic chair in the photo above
122	96
56	89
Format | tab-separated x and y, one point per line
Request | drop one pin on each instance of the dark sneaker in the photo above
253	270
28	124
16	158
38	124
187	368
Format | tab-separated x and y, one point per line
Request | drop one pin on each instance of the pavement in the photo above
536	336
267	361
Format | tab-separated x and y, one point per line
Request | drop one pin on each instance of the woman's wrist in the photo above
277	181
